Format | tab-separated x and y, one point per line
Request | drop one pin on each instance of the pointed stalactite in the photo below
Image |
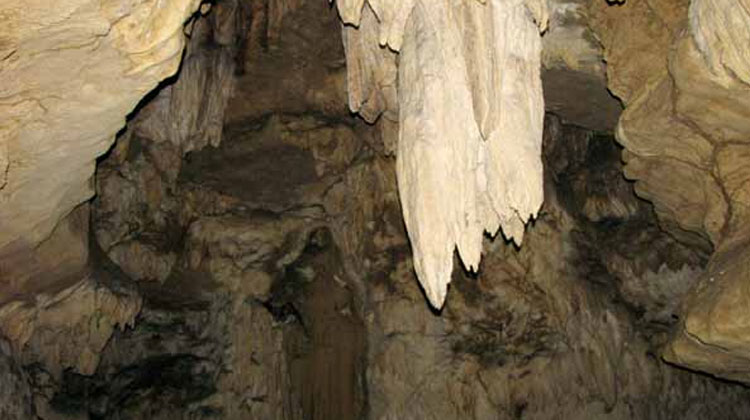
470	112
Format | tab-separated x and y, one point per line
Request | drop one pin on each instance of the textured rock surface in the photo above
532	336
70	328
683	78
15	392
65	330
573	70
72	73
100	45
265	324
143	168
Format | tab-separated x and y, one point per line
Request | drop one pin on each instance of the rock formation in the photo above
685	129
470	119
294	170
71	74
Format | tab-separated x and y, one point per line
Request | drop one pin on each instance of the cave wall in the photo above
46	244
72	73
267	323
679	68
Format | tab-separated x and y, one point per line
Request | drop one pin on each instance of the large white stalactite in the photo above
470	112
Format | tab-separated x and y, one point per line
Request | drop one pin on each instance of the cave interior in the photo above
246	252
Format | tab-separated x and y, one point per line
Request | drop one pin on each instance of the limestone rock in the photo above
509	346
258	303
685	130
716	106
286	264
636	37
475	64
284	74
136	203
57	262
715	334
69	328
720	30
189	112
371	70
73	72
699	210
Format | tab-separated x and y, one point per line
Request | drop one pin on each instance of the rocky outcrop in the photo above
568	326
682	74
250	308
573	67
72	72
15	392
490	81
60	331
42	100
186	114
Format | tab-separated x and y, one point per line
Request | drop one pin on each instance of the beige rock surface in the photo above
289	291
685	130
533	335
573	68
72	72
258	280
104	44
277	288
258	303
715	335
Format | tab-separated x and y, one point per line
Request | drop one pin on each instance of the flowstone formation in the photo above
470	115
682	71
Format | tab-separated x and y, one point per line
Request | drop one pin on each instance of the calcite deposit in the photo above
470	119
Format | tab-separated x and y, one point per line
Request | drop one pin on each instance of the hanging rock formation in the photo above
293	293
470	112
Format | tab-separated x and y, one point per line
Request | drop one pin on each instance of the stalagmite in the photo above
470	112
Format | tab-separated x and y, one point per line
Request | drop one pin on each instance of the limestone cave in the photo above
361	209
